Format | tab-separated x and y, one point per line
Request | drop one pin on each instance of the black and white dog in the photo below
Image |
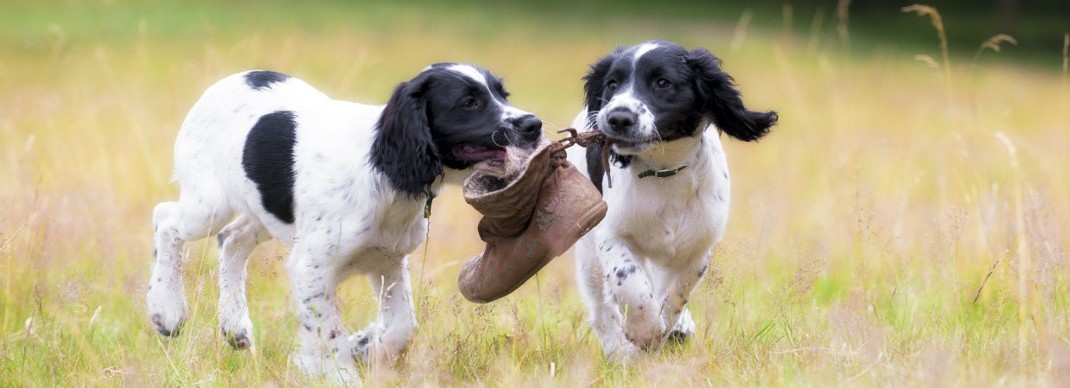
265	155
663	109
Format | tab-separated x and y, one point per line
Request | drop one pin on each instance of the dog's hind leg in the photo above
683	329
236	241
193	217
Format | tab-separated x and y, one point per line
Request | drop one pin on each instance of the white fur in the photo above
644	126
641	50
664	228
630	101
349	220
509	111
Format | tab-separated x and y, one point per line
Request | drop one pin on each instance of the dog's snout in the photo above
528	124
621	120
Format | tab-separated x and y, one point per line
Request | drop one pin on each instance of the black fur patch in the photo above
722	101
595	170
625	272
678	337
268	160
403	148
261	79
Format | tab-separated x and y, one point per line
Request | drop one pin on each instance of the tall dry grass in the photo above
884	234
938	24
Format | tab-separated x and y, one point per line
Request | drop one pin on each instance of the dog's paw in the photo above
367	344
337	370
623	352
645	330
646	340
235	325
678	337
239	336
683	329
167	308
372	348
362	342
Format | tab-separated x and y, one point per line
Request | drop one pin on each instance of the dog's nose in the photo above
621	120
528	124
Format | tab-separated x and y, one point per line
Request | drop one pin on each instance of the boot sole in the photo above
587	221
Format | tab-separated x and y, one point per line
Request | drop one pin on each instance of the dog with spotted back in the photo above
662	109
263	155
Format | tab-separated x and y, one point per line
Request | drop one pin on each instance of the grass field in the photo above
904	224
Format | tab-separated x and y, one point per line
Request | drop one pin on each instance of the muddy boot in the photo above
506	194
530	217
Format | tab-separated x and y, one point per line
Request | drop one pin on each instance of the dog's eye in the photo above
662	83
470	103
502	92
611	86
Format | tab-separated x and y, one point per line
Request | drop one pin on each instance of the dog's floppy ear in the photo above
403	149
595	82
722	102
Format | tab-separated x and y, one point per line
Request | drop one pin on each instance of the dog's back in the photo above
259	114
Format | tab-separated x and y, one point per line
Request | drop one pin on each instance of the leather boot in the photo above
534	218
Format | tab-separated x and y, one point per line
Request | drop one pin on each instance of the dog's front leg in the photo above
605	317
633	291
323	342
679	284
384	339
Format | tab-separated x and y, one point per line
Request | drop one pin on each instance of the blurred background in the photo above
904	223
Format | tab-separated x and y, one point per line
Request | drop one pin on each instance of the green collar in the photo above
427	206
661	173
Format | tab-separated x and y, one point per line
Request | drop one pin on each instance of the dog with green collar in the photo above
662	110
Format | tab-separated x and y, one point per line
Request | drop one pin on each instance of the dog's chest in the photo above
369	232
672	219
399	229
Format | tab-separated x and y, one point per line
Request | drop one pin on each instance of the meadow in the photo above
904	224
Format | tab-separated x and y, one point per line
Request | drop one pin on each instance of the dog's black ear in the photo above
593	88
722	102
595	82
403	148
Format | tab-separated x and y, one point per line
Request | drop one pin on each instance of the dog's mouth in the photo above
478	153
628	145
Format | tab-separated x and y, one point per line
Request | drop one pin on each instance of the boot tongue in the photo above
493	176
